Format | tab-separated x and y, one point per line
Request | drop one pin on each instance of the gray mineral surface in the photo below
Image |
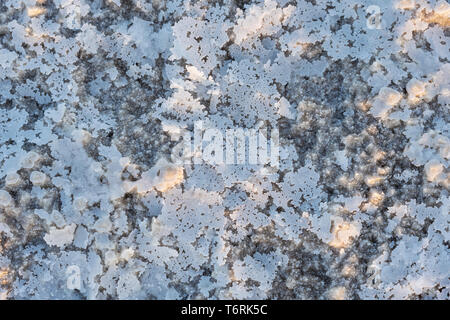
224	149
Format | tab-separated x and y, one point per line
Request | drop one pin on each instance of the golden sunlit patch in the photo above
376	198
440	15
344	234
35	11
3	277
171	177
441	19
338	293
373	180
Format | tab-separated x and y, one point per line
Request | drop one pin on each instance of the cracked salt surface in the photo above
119	179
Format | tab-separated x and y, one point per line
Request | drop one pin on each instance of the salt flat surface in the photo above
103	196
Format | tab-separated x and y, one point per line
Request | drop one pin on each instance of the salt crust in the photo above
185	234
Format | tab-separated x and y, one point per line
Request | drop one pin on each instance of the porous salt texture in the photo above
99	199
